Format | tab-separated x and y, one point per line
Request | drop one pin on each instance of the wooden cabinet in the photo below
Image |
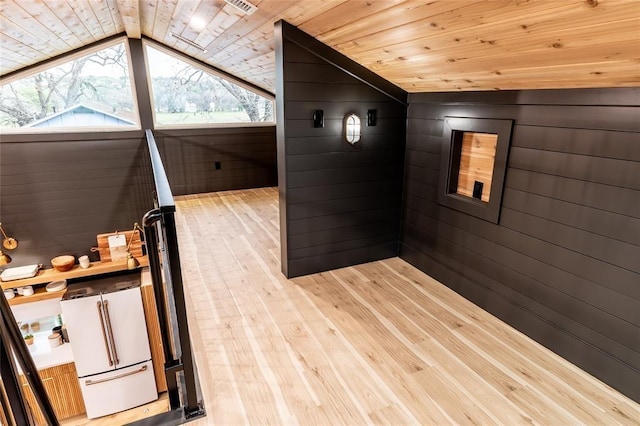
153	330
3	418
61	385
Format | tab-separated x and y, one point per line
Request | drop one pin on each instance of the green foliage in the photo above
99	80
182	94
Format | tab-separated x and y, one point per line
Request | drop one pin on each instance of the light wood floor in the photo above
161	405
380	343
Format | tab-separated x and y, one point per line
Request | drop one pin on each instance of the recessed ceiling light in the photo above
198	23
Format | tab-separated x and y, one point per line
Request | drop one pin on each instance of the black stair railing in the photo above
164	265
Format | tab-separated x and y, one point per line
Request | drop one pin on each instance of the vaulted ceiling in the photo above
419	45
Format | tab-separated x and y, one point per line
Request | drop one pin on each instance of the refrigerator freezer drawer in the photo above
118	390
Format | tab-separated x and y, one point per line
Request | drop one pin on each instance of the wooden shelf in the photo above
45	276
39	294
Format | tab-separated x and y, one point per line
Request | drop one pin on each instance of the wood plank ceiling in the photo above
421	46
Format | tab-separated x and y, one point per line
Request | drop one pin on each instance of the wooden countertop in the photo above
45	276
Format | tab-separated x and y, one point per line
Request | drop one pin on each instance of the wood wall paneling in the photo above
339	203
57	195
596	195
562	264
609	171
595	97
477	156
623	118
246	156
60	190
578	351
612	319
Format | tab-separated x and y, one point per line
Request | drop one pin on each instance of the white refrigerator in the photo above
108	336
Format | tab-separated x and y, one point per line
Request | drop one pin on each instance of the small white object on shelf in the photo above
56	285
19	272
84	261
55	340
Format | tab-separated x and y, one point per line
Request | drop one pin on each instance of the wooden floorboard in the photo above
379	343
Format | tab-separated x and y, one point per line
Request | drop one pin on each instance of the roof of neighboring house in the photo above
80	116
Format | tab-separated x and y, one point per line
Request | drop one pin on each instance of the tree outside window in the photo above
95	91
91	91
184	94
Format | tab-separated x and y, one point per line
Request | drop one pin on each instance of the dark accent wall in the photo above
563	264
339	204
208	160
58	191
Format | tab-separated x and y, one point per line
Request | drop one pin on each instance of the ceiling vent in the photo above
244	6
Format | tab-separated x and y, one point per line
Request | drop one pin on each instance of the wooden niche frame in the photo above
450	164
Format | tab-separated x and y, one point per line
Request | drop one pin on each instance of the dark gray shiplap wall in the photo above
246	157
563	264
339	204
58	191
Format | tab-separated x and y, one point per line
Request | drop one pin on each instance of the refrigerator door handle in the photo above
104	333
119	376
110	332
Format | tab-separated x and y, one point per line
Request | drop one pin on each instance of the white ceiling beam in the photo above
130	14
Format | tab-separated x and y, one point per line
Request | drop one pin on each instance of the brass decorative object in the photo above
8	242
132	262
4	258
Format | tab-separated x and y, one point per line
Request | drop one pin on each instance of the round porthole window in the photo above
352	128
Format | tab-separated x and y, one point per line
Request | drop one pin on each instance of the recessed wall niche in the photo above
473	165
477	153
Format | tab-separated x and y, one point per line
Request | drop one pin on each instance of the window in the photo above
89	91
473	165
185	94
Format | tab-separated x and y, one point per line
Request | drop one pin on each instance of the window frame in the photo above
66	58
447	196
210	70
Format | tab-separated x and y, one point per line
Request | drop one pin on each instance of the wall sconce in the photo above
9	244
372	117
352	128
318	118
